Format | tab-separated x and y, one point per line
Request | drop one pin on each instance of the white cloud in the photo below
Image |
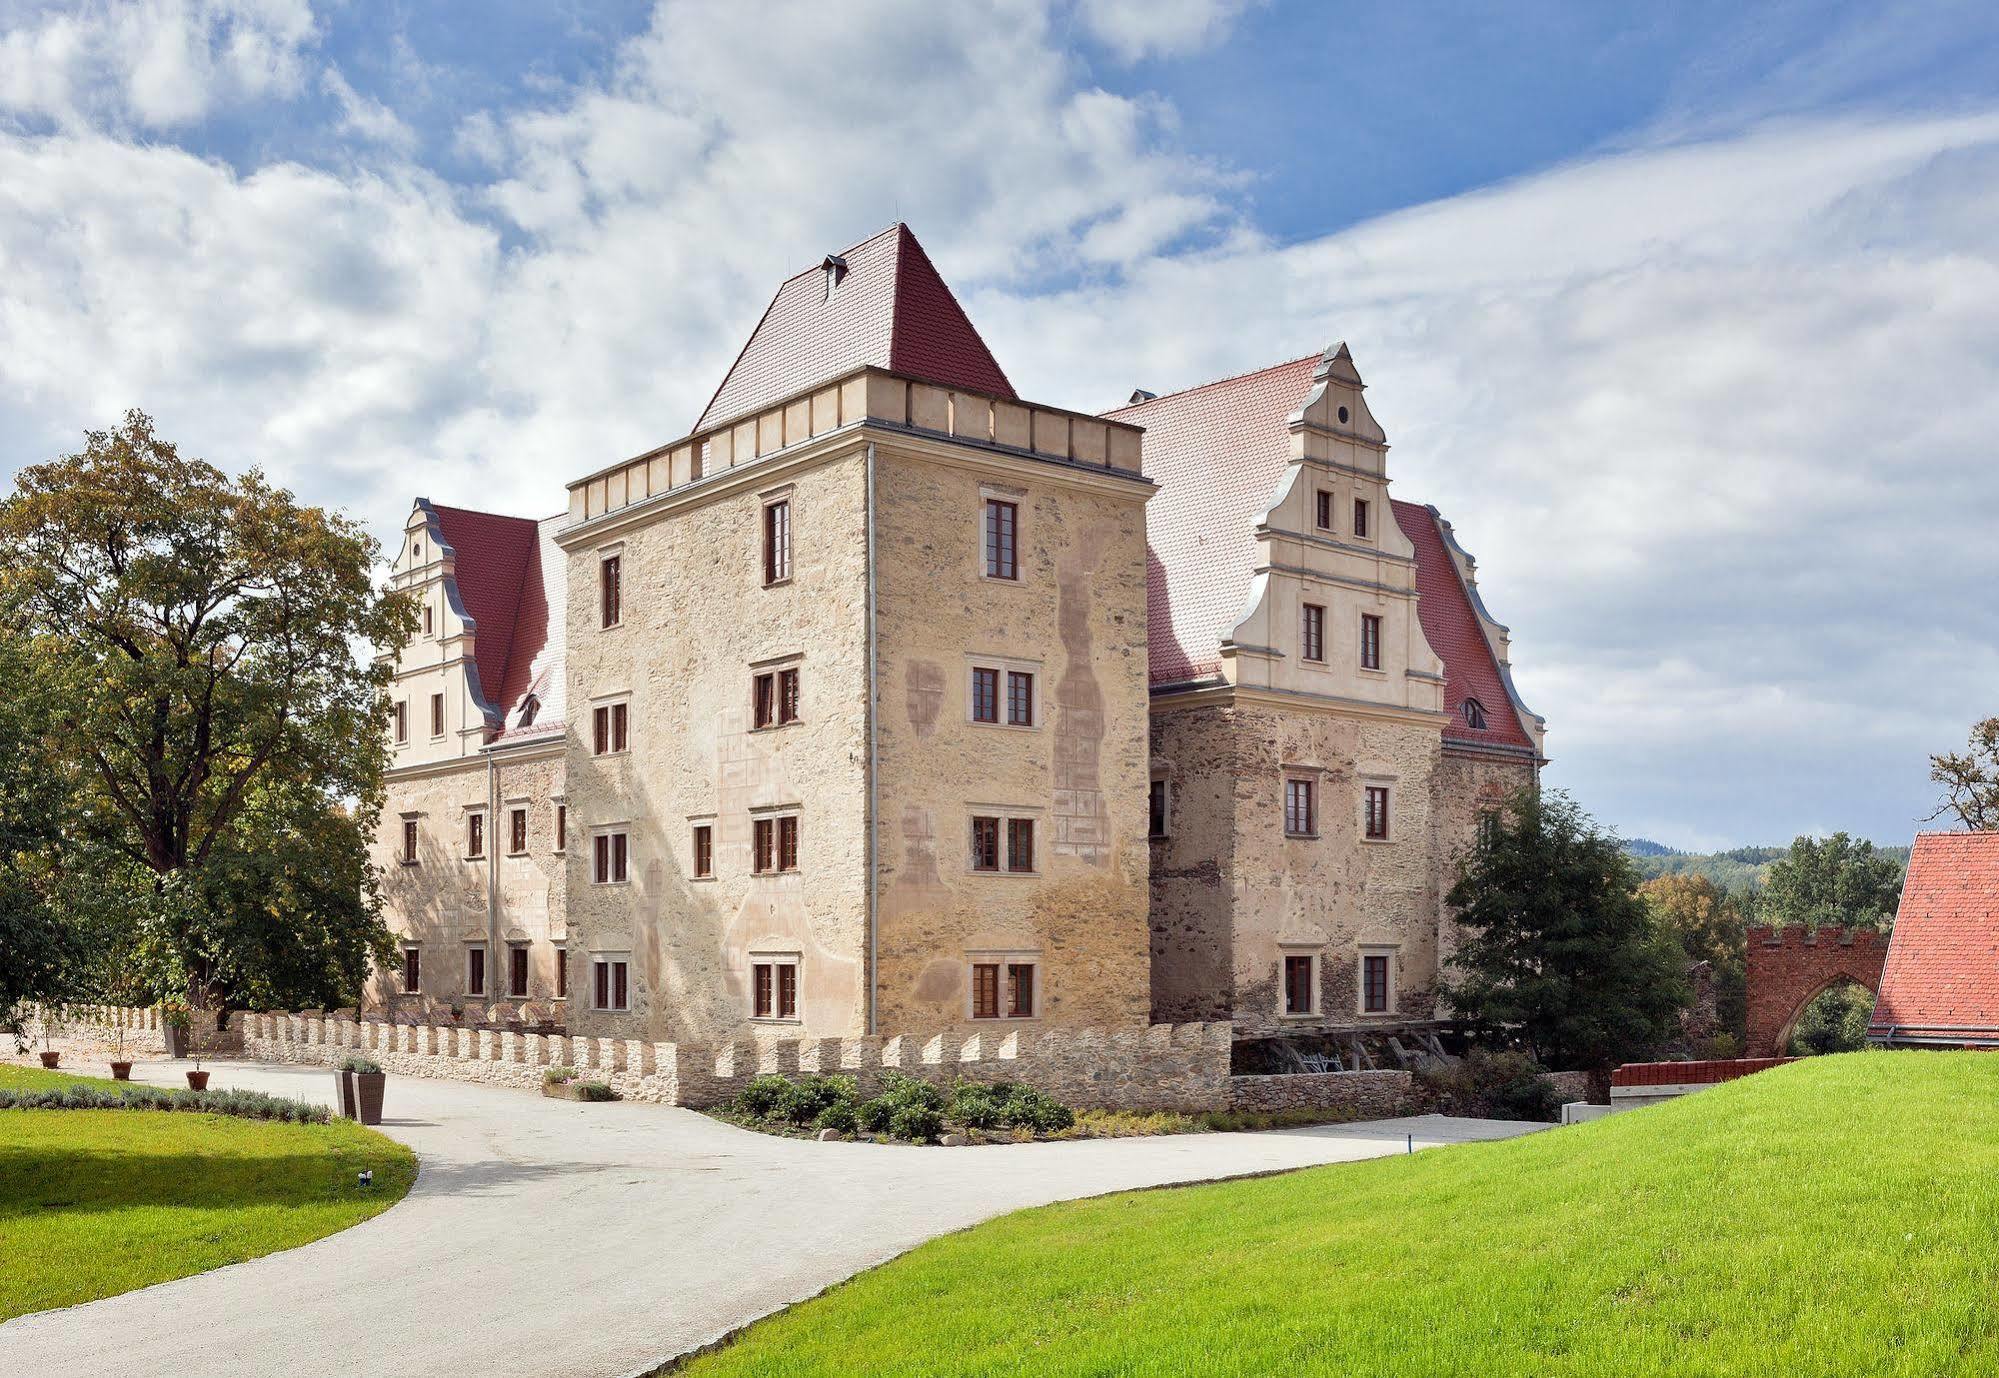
152	64
1135	29
366	119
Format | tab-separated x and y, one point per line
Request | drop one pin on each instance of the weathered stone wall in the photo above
1193	881
1789	966
1075	619
697	619
94	1031
1468	785
1365	1095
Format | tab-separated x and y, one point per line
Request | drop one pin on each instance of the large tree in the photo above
1838	881
1559	952
1711	927
1971	779
202	644
39	956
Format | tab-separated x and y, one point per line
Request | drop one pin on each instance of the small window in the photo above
561	973
787	843
561	827
777	541
402	721
412	971
1360	517
1002	536
774	844
1020	844
1314	632
1019	698
774	988
517	831
1003	990
704	850
611	858
1370	641
475	835
1488	827
1474	712
409	842
517	971
1323	518
1020	990
437	715
608	728
610	984
1300	989
429	621
475	969
1301	814
985	694
985	844
611	590
1155	805
1374	983
1377	813
774	698
530	706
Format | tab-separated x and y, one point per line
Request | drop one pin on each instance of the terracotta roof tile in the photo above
891	310
1941	979
510	580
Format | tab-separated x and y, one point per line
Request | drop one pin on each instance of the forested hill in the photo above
1738	869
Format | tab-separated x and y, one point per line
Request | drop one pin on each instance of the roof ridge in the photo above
1314	357
482	512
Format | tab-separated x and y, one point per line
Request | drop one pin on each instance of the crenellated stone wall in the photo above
94	1031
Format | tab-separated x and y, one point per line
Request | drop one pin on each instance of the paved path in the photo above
546	1239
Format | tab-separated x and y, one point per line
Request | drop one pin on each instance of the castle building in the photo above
887	701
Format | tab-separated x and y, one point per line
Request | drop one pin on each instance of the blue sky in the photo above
1688	316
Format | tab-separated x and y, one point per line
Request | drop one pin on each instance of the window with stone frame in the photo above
517	831
475	834
412	970
610	859
409	842
517	971
1323	513
610	982
985	694
1376	813
1002	535
774	698
561	972
1374	983
773	987
475	969
1157	810
609	729
1312	636
1370	641
774	844
1019	698
1301	984
437	715
704	851
561	826
1020	844
402	721
1301	807
1362	512
777	541
610	590
1004	989
985	843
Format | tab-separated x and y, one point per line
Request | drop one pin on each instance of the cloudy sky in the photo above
1687	315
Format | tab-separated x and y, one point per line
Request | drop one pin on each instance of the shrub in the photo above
804	1100
1027	1108
594	1091
978	1106
1489	1085
249	1105
907	1090
362	1065
916	1122
556	1076
841	1115
1834	1022
763	1095
873	1116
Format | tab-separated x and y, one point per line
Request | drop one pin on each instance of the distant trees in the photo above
1971	779
1837	881
1834	1022
1559	951
1711	926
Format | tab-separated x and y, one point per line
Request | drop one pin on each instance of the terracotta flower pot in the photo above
121	1071
367	1095
49	1060
197	1081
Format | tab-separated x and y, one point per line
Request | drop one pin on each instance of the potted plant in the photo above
343	1090
121	1066
175	1022
365	1080
51	1026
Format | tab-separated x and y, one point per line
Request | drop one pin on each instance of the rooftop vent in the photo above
1140	395
835	268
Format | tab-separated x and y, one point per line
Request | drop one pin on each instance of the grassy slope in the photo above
94	1202
1837	1216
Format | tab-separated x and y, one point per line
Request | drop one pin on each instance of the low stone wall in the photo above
1367	1095
92	1031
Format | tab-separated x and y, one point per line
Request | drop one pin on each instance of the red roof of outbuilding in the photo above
1941	980
890	310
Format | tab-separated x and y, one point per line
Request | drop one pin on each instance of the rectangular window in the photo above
1019	698
1374	984
475	835
774	698
475	970
787	696
985	694
774	990
608	728
562	973
1020	844
1360	517
985	844
1155	810
1323	519
704	850
1488	827
562	827
402	721
985	990
412	971
409	841
763	845
787	843
1370	641
1377	812
611	858
1020	990
1298	984
1314	634
517	971
610	987
517	831
437	715
1002	534
611	590
429	621
1300	808
777	541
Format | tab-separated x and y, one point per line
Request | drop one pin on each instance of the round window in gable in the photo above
1343	415
1474	712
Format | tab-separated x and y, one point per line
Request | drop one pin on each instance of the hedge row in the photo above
246	1105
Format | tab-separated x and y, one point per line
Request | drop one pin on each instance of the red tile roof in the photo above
509	576
891	310
1941	980
1217	452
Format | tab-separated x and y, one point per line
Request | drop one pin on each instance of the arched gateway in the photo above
1789	967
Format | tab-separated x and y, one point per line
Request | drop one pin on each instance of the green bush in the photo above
841	1115
977	1105
907	1090
1027	1108
1835	1022
246	1105
557	1076
594	1091
807	1098
1493	1086
873	1116
362	1065
763	1095
916	1123
1007	1105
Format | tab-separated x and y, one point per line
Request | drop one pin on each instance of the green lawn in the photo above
94	1202
39	1078
1833	1217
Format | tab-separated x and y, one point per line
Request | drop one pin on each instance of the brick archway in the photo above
1789	967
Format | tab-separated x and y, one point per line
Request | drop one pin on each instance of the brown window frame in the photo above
985	841
412	969
1361	517
774	698
561	826
1158	809
437	715
561	971
1005	988
1375	808
517	971
610	984
985	694
402	721
429	621
787	842
704	851
1020	698
1018	829
610	591
1370	641
1301	806
1312	631
1322	516
610	858
610	729
1375	996
1020	992
517	831
409	842
774	988
1001	525
1300	984
475	970
776	528
985	990
475	835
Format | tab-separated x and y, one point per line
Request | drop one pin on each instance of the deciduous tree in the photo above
1839	881
1971	779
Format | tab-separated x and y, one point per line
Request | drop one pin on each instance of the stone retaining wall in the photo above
92	1031
1368	1095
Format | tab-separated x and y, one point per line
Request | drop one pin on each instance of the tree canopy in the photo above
1837	881
200	644
1711	927
1971	779
1558	949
